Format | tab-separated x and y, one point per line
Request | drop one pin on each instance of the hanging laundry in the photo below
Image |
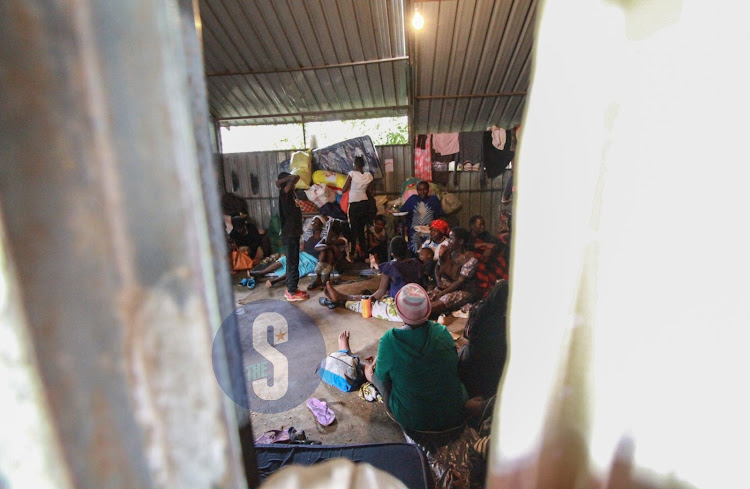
445	143
499	136
495	160
471	147
423	158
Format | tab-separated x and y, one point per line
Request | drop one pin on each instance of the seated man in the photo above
489	252
395	274
415	370
377	240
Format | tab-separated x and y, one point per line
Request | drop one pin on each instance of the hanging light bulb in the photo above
417	21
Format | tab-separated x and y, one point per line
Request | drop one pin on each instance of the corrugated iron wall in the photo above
256	172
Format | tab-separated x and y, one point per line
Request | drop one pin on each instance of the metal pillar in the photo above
106	228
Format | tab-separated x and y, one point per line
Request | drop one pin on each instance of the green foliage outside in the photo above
383	131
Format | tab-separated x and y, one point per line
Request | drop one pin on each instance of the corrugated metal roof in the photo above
469	52
277	61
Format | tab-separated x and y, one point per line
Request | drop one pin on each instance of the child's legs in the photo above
323	271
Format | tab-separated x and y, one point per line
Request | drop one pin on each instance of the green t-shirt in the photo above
421	365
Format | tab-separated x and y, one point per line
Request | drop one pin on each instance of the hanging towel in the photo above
445	143
423	158
499	137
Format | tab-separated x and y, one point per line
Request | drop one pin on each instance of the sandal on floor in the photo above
322	412
325	301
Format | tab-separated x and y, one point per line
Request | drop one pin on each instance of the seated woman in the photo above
395	274
454	275
245	237
489	252
439	231
415	370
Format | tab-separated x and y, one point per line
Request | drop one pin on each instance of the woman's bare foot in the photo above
332	294
269	284
344	340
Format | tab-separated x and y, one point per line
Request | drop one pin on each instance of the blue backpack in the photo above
342	370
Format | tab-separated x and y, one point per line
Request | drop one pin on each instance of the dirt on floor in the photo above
357	421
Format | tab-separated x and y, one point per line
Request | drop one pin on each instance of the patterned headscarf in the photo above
441	226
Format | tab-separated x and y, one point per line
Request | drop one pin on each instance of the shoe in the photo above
297	296
250	283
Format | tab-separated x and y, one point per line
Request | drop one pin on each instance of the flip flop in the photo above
321	411
250	284
326	302
273	436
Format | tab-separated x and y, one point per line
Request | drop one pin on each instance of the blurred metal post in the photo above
208	166
106	228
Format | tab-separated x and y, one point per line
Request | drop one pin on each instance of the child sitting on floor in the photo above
333	251
426	256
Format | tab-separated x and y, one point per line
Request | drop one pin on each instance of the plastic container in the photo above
366	308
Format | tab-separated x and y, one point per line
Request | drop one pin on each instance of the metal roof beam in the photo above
311	68
470	95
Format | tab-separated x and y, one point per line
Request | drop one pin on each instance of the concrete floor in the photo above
357	421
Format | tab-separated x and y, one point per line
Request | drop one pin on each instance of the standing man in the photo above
291	231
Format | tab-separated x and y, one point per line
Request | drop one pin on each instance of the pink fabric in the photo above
498	137
423	161
445	143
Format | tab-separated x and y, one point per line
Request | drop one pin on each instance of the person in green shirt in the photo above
416	368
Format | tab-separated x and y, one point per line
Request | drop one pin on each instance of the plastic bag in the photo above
320	194
342	370
450	203
330	178
301	164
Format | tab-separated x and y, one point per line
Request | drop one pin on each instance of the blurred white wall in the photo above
630	302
